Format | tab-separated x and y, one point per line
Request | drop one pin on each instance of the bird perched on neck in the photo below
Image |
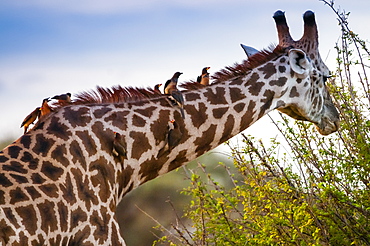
45	108
119	146
173	138
156	88
63	98
170	88
203	79
31	118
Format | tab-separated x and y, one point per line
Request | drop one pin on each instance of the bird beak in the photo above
172	121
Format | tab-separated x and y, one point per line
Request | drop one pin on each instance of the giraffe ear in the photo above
299	62
249	51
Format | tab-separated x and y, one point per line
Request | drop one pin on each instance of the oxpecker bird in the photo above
173	138
45	108
203	79
156	88
31	118
63	98
170	88
119	145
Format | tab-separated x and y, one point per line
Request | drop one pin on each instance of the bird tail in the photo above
163	151
182	112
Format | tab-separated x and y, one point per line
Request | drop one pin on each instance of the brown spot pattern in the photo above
58	129
279	82
48	218
26	141
77	154
50	190
248	117
282	69
63	216
101	225
17	195
159	127
140	144
215	98
67	189
77	117
203	142
28	158
147	112
104	135
32	192
125	177
59	154
104	178
98	113
219	112
28	215
268	70
294	92
2	198
149	169
51	171
84	192
6	231
3	158
236	94
190	96
19	179
87	141
15	166
229	126
255	87
4	181
239	107
13	151
269	95
42	145
138	121
118	119
180	158
198	117
37	179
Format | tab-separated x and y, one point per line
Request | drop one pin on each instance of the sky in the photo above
53	47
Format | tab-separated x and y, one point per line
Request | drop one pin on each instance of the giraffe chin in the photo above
327	126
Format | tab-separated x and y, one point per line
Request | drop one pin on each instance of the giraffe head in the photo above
322	111
303	95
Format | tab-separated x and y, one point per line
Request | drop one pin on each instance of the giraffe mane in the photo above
240	69
119	94
115	94
191	85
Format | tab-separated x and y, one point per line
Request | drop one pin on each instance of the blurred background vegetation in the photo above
299	188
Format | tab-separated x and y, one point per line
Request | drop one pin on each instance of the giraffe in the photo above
62	180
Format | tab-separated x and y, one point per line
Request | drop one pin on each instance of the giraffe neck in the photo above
215	114
77	140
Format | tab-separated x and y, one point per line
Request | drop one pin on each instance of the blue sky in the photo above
53	47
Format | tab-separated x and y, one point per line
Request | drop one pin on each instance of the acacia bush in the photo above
313	191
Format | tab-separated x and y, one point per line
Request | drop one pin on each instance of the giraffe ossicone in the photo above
60	183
